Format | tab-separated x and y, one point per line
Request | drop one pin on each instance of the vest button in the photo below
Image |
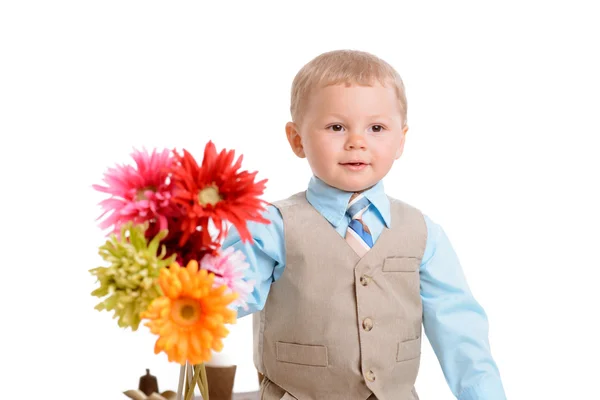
370	375
367	324
364	280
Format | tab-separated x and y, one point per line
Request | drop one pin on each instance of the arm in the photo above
455	323
266	257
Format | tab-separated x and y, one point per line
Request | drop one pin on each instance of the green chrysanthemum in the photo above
130	283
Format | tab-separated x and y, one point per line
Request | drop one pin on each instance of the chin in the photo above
354	186
347	185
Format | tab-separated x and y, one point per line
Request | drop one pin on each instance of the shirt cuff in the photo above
486	389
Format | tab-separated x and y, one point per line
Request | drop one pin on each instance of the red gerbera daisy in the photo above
194	248
216	191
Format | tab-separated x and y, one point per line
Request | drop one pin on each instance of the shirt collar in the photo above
331	202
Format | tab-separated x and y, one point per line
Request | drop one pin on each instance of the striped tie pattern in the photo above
358	235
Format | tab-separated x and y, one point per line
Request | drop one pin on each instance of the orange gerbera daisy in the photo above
190	317
216	191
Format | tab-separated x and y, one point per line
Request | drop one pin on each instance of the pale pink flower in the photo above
229	267
140	193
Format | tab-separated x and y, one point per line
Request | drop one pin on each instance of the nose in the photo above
355	141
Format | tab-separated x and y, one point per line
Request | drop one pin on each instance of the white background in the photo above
502	151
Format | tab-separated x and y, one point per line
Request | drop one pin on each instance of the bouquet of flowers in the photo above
167	216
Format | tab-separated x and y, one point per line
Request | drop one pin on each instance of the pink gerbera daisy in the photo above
229	267
139	193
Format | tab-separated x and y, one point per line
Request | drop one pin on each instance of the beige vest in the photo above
336	326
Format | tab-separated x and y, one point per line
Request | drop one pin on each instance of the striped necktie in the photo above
358	235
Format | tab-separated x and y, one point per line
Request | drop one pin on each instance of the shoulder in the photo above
397	203
291	201
433	229
259	231
406	211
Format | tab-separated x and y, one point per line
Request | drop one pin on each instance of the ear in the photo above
401	144
294	138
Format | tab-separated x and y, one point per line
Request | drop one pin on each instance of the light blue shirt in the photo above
454	323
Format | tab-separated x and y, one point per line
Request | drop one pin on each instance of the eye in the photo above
336	128
377	128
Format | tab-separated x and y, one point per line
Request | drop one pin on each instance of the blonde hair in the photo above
344	67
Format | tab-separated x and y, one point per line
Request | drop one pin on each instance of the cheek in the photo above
385	150
322	145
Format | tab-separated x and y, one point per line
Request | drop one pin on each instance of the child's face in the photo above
350	136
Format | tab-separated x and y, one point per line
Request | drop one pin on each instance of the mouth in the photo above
355	165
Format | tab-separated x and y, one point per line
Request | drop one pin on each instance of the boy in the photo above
345	275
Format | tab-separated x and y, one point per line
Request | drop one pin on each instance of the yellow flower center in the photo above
185	311
209	195
141	194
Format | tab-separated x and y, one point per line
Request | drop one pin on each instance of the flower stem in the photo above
205	381
187	384
191	382
199	382
181	378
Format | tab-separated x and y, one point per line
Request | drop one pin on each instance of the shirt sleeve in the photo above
455	323
265	256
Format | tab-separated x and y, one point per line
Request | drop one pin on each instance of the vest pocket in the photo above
302	354
401	264
408	350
